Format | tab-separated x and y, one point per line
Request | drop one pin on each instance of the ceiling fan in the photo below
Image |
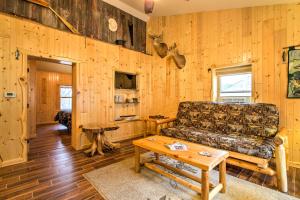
148	6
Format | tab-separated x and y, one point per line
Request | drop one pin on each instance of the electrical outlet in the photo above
10	94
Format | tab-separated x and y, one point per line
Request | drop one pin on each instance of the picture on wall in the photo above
294	74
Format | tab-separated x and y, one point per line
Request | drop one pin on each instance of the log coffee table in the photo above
157	144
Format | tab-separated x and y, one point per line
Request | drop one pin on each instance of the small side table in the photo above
100	141
158	123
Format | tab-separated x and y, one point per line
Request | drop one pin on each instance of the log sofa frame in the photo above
255	163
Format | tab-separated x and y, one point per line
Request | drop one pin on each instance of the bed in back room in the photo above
64	117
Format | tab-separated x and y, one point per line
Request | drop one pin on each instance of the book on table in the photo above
177	146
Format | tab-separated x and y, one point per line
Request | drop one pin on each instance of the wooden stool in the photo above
100	141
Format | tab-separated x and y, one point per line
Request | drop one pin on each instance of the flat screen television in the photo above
125	81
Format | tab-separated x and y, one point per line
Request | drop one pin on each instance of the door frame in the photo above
75	66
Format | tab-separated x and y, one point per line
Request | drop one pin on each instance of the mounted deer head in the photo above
160	47
179	59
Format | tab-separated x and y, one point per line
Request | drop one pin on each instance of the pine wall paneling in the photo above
226	38
95	63
48	97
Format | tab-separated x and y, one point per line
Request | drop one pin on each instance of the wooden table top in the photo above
158	144
94	128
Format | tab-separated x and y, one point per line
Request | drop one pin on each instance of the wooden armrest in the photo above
163	121
281	137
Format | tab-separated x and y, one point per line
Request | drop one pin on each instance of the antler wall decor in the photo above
162	50
160	47
47	5
179	59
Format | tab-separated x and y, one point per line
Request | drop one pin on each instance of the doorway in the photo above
49	103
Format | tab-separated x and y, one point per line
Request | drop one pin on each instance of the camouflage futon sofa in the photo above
248	131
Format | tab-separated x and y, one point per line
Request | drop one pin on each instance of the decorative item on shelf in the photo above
293	73
129	100
120	42
148	6
179	59
119	99
132	100
135	100
160	47
112	25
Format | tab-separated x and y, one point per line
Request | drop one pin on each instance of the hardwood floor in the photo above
55	170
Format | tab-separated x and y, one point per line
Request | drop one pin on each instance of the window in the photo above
234	84
66	97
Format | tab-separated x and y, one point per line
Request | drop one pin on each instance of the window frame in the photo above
60	97
237	70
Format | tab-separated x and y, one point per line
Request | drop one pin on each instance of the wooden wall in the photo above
31	99
95	63
89	17
47	90
222	38
225	38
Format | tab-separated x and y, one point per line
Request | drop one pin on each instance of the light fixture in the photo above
148	6
65	62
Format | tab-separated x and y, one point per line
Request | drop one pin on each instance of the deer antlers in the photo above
178	58
162	50
160	47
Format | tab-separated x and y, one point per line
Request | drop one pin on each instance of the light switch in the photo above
10	94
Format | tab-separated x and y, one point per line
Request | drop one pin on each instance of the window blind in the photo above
233	70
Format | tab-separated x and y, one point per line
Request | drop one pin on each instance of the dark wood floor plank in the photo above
55	170
297	183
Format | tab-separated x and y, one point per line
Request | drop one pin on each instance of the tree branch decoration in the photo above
45	4
162	50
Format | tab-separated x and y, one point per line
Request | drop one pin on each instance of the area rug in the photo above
120	182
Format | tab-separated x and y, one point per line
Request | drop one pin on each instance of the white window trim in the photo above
216	80
60	97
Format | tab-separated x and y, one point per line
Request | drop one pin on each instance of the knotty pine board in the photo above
32	99
227	38
95	61
48	97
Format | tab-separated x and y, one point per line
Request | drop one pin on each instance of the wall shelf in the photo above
127	102
127	121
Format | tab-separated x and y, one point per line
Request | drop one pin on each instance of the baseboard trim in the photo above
294	164
12	162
